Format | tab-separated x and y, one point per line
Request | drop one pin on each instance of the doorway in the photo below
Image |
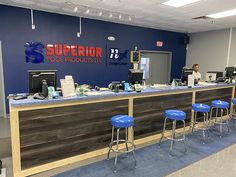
2	93
156	66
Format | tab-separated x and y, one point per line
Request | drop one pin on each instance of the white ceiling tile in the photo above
149	13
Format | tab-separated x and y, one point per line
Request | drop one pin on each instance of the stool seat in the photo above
175	114
122	121
201	108
220	104
234	101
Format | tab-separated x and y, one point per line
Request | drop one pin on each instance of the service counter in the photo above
51	133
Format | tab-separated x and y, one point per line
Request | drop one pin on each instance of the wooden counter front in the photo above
46	136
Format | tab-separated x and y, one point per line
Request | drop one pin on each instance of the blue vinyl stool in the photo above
233	115
174	116
200	109
122	122
220	105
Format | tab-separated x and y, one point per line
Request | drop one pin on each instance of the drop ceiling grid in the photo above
149	13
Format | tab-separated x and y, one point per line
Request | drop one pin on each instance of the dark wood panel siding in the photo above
207	97
53	134
215	94
148	112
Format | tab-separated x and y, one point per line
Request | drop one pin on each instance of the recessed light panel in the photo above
223	14
179	3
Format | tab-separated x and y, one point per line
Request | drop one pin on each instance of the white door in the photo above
144	65
159	67
2	106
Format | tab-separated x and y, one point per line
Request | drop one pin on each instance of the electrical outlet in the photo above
33	26
78	34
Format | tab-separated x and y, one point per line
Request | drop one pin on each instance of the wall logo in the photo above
118	58
62	53
34	52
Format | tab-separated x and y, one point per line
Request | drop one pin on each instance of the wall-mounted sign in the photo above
62	53
159	43
34	52
118	58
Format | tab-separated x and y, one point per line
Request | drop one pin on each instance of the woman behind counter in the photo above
196	73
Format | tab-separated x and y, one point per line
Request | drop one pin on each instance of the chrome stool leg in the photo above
184	138
203	130
194	121
173	136
164	129
111	143
117	149
233	114
134	147
221	122
210	119
227	120
207	125
126	139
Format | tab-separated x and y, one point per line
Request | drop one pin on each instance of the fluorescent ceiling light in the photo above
75	9
179	3
223	14
87	11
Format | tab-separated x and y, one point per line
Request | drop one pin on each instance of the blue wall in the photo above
15	31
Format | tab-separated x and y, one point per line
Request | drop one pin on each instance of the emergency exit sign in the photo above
159	44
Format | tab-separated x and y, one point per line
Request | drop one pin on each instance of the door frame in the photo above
161	52
2	82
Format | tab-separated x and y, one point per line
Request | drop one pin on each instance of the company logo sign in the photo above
118	58
62	53
34	52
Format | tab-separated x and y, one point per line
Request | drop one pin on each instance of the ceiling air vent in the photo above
202	18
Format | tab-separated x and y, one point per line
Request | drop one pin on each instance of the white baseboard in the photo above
3	174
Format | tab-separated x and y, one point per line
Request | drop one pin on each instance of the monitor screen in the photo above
229	72
37	76
185	73
135	76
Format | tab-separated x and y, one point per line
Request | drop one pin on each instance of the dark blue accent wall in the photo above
15	31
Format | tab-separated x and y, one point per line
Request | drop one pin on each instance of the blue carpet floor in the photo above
154	161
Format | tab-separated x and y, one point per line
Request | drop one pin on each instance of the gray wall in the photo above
210	49
232	60
2	106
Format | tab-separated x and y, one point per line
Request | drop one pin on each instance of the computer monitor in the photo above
37	76
230	72
135	76
185	73
213	75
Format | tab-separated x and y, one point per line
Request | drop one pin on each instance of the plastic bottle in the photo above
50	96
44	88
173	84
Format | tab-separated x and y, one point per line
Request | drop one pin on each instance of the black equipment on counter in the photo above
221	79
116	86
37	76
135	76
230	72
0	167
185	73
